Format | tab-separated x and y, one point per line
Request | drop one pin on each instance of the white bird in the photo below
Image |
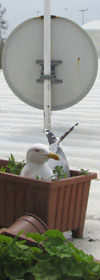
36	162
55	146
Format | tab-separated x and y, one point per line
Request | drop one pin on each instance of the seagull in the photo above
36	166
55	146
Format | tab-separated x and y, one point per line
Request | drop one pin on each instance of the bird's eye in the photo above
37	150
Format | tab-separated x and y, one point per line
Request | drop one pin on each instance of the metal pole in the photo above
37	12
47	64
65	9
83	10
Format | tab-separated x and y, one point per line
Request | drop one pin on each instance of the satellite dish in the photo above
74	62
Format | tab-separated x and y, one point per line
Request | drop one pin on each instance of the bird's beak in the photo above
54	156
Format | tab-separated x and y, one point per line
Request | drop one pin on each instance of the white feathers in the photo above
55	146
36	162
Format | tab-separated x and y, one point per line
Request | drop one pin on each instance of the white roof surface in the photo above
95	24
93	30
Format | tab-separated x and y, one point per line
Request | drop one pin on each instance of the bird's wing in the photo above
66	133
63	160
51	137
56	147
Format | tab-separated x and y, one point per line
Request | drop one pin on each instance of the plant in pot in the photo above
50	257
60	203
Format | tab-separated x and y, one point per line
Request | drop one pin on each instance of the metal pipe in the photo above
47	64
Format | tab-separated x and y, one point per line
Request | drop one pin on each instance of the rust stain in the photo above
78	65
78	59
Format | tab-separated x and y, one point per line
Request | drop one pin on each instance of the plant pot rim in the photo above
97	261
8	232
76	175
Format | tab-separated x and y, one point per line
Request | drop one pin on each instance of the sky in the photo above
19	11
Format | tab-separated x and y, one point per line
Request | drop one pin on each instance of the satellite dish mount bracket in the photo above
51	77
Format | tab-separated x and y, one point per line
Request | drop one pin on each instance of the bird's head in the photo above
40	153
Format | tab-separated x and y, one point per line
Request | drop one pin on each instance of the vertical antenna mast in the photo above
47	64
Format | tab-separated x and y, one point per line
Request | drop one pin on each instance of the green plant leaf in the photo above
84	171
56	259
3	169
54	234
59	172
35	236
13	166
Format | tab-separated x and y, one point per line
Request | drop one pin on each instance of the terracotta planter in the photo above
98	261
27	223
60	204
